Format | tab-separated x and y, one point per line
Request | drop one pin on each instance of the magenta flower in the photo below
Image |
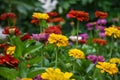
84	36
40	37
101	22
102	34
95	58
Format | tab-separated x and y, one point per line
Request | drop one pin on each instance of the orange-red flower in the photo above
100	14
99	41
52	14
57	19
79	15
53	29
11	30
5	16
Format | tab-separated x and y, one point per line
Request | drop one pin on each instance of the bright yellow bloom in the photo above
112	31
26	79
76	53
107	67
40	15
58	39
115	60
10	50
56	74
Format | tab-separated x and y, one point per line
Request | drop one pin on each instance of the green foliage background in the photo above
25	8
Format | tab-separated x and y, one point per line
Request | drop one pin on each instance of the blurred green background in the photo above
25	8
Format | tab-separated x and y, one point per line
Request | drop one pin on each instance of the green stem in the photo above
40	28
56	57
42	59
77	33
112	45
74	61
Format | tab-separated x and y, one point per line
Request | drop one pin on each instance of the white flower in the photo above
74	38
49	5
2	36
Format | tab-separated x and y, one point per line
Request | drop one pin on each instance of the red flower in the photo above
82	41
57	19
101	14
52	14
35	21
99	41
5	16
3	45
25	37
11	30
53	29
79	15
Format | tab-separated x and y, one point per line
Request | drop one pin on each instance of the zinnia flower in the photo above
57	19
40	15
101	14
115	60
107	67
10	50
76	53
90	25
5	16
101	22
99	41
52	14
11	30
58	39
56	74
112	31
25	37
74	38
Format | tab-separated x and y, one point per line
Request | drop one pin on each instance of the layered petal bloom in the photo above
56	74
25	37
40	37
79	15
58	39
11	30
10	50
99	41
84	36
53	29
52	14
57	19
5	16
100	14
101	22
76	53
115	60
107	67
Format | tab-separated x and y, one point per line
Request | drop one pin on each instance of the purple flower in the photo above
102	34
38	77
101	22
90	26
40	37
101	58
95	58
84	36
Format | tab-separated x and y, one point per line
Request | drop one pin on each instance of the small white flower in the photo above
49	5
74	38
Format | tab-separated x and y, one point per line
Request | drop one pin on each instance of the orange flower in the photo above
52	14
101	14
99	41
79	15
57	19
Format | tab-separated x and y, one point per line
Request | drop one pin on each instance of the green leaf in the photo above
34	60
36	71
32	49
66	5
19	47
29	42
91	66
43	23
23	70
9	74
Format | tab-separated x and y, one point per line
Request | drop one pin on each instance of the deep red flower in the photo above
3	45
11	30
99	41
82	41
101	14
53	29
5	16
79	15
25	37
57	19
52	14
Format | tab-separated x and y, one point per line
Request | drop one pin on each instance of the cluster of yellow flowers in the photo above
58	39
56	74
107	67
112	31
10	50
115	60
40	15
76	53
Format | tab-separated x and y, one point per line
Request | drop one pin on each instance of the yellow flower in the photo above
40	15
56	74
10	50
26	79
115	60
112	31
76	53
58	39
107	67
